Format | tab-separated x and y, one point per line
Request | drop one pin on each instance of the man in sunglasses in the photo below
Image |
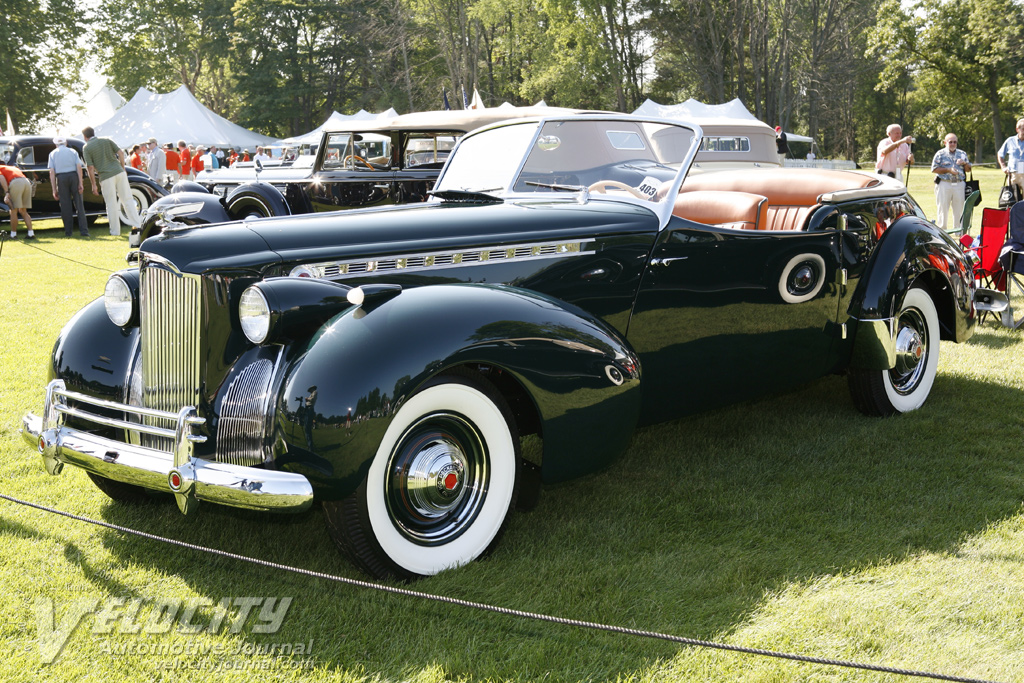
950	166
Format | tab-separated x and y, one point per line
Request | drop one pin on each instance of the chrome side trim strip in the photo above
445	259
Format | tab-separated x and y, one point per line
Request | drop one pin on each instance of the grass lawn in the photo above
790	523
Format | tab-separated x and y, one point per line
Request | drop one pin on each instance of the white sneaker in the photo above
14	235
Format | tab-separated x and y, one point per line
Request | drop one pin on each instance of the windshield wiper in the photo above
466	195
557	187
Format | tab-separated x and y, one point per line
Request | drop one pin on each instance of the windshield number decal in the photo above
649	187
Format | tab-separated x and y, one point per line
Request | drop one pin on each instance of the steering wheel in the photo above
361	160
601	188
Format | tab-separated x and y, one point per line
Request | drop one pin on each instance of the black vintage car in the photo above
30	153
373	163
563	281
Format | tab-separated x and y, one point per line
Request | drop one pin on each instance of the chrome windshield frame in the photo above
662	209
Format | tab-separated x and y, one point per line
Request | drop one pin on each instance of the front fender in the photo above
93	355
911	252
343	386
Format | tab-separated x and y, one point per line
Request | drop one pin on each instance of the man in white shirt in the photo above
893	153
1011	158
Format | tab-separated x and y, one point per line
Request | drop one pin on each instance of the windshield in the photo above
620	157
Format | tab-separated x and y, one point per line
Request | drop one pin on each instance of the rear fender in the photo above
342	387
911	252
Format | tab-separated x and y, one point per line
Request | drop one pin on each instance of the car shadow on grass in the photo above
685	534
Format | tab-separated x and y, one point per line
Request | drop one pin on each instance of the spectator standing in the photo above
245	155
950	166
157	167
218	154
197	160
1011	158
105	159
781	144
261	155
173	163
17	195
135	159
184	160
893	152
66	180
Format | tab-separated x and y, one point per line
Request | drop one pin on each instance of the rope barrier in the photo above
4	236
504	610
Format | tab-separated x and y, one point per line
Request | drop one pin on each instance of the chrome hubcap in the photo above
911	351
437	479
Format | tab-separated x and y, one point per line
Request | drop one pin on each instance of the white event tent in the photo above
697	111
175	116
337	121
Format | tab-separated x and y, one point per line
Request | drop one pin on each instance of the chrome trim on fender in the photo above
445	259
874	346
191	479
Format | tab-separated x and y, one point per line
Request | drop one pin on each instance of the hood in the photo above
259	243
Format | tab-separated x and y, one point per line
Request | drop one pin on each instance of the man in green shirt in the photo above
105	159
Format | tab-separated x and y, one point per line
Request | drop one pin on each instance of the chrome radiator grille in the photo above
244	411
171	331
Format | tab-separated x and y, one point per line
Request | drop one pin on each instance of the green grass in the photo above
789	523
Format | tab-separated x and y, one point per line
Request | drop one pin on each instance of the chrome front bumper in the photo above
190	479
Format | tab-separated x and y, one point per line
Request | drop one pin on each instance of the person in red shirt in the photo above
17	194
135	160
233	158
173	162
185	160
197	160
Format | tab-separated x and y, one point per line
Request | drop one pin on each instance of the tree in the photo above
40	58
161	46
966	72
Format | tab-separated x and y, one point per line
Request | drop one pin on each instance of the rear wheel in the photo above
440	487
141	200
906	386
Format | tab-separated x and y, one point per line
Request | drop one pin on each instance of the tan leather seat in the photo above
792	193
741	210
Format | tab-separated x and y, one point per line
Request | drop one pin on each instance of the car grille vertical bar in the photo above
170	309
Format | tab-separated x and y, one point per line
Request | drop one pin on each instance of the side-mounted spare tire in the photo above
256	200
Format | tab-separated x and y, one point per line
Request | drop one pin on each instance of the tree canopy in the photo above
838	70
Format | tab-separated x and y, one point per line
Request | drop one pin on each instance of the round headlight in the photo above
117	299
254	315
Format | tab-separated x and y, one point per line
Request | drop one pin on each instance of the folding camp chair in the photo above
965	218
1011	258
988	273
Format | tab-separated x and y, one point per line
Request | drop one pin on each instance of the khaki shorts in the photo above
21	193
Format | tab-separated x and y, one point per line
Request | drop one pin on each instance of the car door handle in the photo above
385	186
659	261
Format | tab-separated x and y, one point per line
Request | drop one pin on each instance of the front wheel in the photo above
906	386
440	487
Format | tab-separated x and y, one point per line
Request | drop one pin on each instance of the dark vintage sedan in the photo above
30	153
566	280
373	163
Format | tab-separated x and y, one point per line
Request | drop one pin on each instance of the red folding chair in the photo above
994	225
988	273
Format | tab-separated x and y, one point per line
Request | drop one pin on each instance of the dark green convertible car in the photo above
566	280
